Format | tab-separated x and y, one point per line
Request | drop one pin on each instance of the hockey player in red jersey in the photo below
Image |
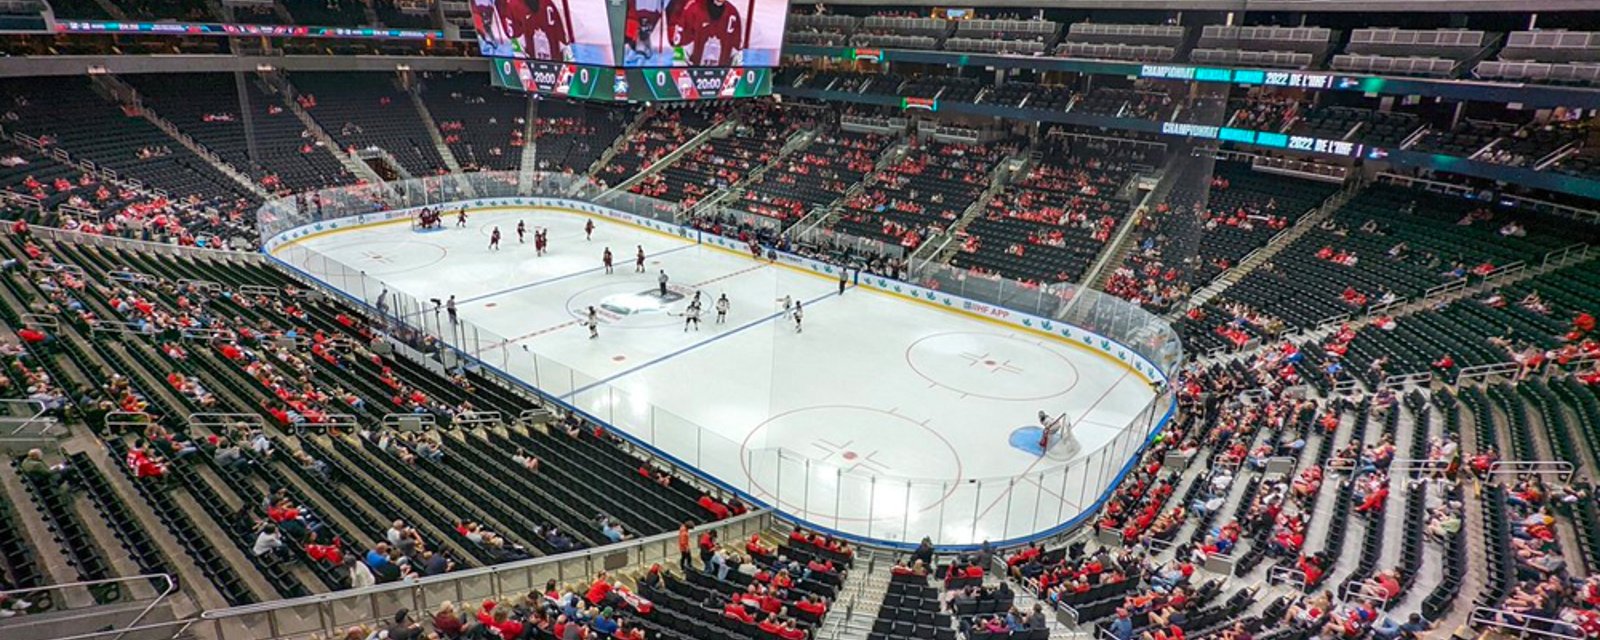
719	37
709	31
544	35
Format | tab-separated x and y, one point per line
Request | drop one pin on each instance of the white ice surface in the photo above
892	417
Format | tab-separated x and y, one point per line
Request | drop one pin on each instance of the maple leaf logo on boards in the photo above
1044	324
1026	322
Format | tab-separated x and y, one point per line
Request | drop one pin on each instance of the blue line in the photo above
559	278
1085	515
692	347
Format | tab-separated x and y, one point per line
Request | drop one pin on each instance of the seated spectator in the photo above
34	467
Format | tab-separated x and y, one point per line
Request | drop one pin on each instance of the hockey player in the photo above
798	315
787	303
691	315
607	259
594	324
638	260
722	308
540	241
494	239
522	230
461	218
709	32
588	230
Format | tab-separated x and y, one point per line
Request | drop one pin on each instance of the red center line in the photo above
725	276
1010	486
541	332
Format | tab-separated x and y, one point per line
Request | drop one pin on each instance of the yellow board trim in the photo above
503	209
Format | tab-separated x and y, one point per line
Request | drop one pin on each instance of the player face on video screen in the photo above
697	33
718	42
545	34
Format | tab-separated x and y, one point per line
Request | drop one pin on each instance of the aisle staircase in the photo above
439	145
823	217
718	130
858	603
1270	250
128	97
799	140
274	83
617	144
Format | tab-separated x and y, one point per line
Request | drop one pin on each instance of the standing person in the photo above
798	315
450	308
607	259
638	260
494	239
662	280
691	315
843	271
588	229
522	230
538	242
722	308
685	561
594	324
788	303
461	218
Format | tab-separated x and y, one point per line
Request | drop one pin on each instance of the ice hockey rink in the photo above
883	418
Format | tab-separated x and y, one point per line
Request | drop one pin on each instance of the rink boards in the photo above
996	493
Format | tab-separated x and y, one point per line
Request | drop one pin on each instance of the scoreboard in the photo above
601	83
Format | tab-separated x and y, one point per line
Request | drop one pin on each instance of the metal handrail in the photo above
432	585
1492	617
182	625
1560	468
38	416
172	585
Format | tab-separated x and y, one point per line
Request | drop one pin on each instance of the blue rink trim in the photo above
1026	439
559	278
663	358
1088	512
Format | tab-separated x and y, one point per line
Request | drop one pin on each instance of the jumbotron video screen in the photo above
633	49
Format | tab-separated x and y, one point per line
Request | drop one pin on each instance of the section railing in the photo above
324	615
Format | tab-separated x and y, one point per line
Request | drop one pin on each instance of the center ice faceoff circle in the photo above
624	304
861	442
992	366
